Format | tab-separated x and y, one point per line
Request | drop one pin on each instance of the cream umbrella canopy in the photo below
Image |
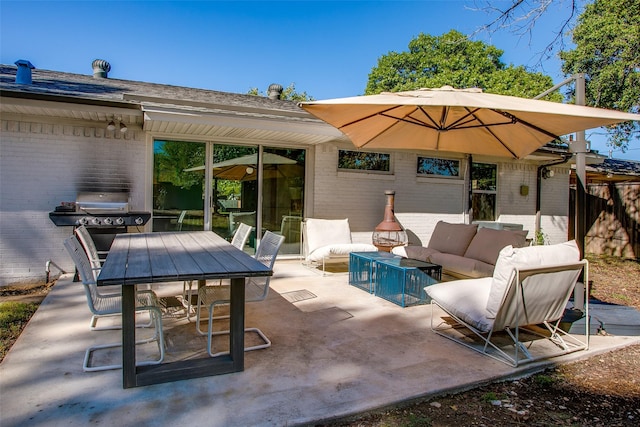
458	120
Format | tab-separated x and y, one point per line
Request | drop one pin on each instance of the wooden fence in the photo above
613	219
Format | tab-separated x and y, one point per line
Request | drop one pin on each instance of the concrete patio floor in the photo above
337	351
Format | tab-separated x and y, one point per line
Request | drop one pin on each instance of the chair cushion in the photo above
511	258
487	243
339	249
323	232
458	265
452	238
465	299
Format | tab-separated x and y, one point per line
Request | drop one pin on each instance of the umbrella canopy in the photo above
244	168
458	120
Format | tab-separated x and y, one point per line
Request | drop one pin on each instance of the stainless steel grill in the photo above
94	209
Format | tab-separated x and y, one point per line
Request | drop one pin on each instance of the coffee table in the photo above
402	280
362	267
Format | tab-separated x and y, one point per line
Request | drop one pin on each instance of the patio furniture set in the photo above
161	258
526	293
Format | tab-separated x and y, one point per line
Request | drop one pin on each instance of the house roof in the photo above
167	109
615	170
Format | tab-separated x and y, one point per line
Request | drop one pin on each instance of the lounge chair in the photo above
515	313
329	240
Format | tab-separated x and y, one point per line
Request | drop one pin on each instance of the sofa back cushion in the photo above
487	243
452	238
521	258
325	232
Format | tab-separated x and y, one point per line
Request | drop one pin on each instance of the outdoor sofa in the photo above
464	250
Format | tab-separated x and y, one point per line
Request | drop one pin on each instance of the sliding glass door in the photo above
178	185
211	186
282	195
235	190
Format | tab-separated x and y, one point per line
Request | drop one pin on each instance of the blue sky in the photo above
325	48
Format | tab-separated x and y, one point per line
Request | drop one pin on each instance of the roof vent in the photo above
100	68
275	91
23	75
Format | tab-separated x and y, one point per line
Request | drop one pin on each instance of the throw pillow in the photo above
452	238
487	243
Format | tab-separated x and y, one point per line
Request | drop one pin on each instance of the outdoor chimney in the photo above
274	91
101	68
23	74
389	233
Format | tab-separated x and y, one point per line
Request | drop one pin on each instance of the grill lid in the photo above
94	201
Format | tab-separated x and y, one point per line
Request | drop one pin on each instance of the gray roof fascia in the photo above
67	99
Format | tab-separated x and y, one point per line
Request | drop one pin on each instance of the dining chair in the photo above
239	240
111	304
90	249
256	289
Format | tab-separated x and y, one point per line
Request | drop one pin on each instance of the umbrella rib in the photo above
377	113
532	126
496	137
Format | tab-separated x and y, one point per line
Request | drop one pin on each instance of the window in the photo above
484	186
359	160
438	167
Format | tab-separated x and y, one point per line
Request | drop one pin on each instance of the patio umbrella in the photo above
244	168
458	120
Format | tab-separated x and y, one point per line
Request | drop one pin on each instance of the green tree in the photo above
452	59
607	49
289	94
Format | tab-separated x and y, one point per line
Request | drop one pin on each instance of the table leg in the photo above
236	338
129	336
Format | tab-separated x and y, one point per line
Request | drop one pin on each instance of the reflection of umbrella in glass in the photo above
244	168
458	120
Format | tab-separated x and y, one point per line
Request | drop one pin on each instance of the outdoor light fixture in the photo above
547	173
111	125
123	127
249	170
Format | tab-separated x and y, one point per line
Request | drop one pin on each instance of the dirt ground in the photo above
601	391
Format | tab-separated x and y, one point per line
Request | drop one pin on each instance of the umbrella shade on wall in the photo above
458	120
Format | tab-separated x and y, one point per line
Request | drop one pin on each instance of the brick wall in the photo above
421	202
45	164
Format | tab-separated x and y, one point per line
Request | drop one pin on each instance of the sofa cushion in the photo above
452	238
458	265
465	299
487	243
339	249
324	232
414	252
528	257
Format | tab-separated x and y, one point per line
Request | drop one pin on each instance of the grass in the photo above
13	318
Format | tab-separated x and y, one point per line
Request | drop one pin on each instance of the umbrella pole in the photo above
581	183
469	188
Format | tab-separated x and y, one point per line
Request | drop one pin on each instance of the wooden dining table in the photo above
137	258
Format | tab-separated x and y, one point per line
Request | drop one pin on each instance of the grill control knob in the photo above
83	221
108	221
139	221
95	221
120	221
